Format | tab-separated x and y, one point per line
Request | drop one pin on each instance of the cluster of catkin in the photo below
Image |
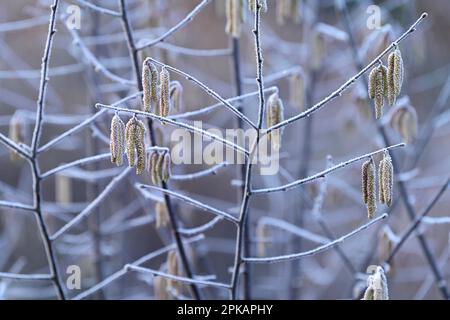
274	115
160	96
385	183
131	138
386	82
377	288
288	9
159	166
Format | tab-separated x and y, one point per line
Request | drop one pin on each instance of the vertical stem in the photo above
236	62
440	281
173	220
37	196
240	237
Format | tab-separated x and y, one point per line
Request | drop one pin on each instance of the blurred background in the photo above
309	41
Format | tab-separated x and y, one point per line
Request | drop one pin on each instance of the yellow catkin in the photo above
386	179
63	189
160	288
117	140
385	246
318	49
404	121
176	95
368	187
153	163
16	128
297	91
234	18
134	136
149	85
377	88
159	166
274	115
173	269
377	288
164	96
394	76
162	216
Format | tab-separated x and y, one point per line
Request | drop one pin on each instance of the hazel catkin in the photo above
394	76
164	95
385	180
134	136
117	140
149	85
368	187
377	88
274	115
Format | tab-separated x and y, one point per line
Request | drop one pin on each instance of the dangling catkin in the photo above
318	45
394	76
404	121
63	189
368	187
165	169
233	15
134	136
164	96
386	179
262	235
160	288
117	140
162	216
274	115
149	85
153	167
377	88
16	128
297	91
283	10
172	268
176	95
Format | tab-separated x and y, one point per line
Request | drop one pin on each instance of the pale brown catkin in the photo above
165	169
274	115
172	268
386	179
162	216
16	128
153	163
404	121
377	88
63	189
394	76
160	288
117	140
297	91
318	45
149	85
282	11
262	235
368	187
134	136
234	18
176	95
164	96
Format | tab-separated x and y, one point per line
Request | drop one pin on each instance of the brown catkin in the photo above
274	115
318	45
149	85
234	18
368	187
159	166
176	95
162	216
172	268
282	11
16	129
153	162
262	235
134	136
297	91
404	121
117	140
377	88
386	180
394	76
165	170
164	96
160	288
